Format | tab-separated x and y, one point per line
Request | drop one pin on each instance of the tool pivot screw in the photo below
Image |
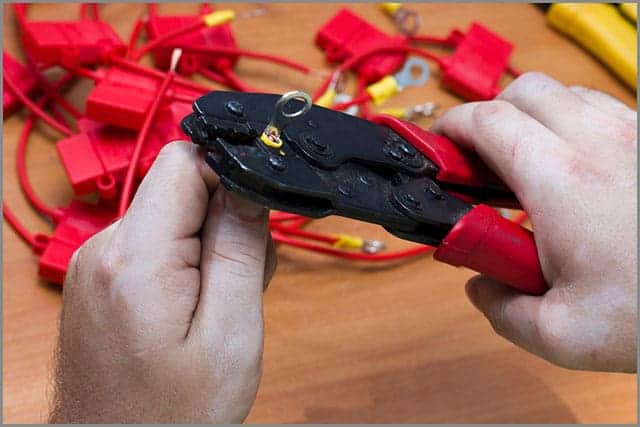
235	108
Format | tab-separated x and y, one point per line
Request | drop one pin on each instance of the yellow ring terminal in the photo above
218	17
630	10
390	8
271	137
327	98
346	241
602	30
383	89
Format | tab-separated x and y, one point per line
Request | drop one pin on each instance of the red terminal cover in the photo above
80	221
97	158
123	98
475	68
347	35
190	63
485	241
71	44
23	78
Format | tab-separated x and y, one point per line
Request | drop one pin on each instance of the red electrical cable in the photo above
133	38
152	9
234	82
358	256
213	76
303	233
23	177
364	108
21	167
159	74
443	41
283	216
232	51
34	108
166	37
84	11
51	92
127	187
17	226
513	71
360	99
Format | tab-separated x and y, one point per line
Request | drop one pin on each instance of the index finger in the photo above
171	202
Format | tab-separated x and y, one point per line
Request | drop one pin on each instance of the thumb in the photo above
512	315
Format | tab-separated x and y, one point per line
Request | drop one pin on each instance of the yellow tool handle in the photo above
630	10
602	30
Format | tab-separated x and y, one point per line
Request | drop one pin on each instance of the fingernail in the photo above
472	288
243	208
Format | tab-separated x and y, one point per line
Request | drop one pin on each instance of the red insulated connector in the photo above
80	221
70	44
97	158
123	98
475	68
190	63
346	35
23	78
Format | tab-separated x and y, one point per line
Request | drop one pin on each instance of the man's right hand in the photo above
570	156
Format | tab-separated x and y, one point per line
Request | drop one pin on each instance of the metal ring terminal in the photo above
281	119
405	76
409	21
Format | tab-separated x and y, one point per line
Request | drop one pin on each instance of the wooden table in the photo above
344	342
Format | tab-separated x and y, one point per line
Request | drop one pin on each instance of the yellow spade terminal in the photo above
346	241
271	136
336	85
221	17
601	29
388	86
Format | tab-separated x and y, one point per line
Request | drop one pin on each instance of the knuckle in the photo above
175	151
530	80
487	115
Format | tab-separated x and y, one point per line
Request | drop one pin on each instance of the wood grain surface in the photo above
344	342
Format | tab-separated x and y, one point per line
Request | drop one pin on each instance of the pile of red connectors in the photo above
112	142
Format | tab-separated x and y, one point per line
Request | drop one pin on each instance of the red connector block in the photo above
23	78
70	44
80	221
123	98
97	159
347	35
475	68
190	63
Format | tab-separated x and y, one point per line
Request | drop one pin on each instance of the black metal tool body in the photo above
330	164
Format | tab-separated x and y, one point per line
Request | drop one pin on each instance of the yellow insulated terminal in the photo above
346	241
390	8
218	17
327	98
602	30
383	89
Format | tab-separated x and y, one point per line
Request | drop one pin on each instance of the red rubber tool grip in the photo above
485	241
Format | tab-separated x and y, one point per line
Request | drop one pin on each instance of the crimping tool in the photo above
292	156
